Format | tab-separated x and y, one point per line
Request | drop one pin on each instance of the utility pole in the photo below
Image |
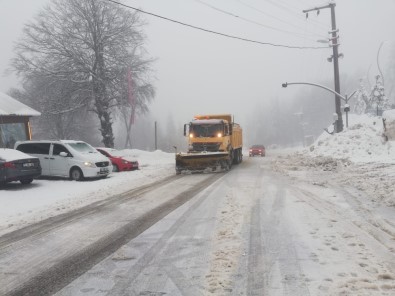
156	138
335	57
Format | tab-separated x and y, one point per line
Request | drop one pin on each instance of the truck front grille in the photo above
206	146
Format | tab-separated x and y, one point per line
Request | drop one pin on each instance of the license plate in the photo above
103	170
28	164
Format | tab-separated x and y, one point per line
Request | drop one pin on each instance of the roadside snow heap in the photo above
361	142
358	157
389	124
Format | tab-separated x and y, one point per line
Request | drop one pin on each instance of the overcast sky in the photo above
198	72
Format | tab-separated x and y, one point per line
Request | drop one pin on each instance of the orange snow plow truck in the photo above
214	143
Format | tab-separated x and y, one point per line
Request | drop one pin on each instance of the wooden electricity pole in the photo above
335	57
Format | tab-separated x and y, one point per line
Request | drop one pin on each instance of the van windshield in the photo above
82	147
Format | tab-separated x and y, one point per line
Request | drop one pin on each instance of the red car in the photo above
257	150
118	162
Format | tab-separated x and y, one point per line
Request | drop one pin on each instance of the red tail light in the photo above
9	165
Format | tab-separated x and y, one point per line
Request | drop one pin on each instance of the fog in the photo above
201	73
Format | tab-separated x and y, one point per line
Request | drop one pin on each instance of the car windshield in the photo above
206	130
82	147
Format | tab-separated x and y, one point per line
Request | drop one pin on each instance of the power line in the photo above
254	22
215	32
276	18
291	12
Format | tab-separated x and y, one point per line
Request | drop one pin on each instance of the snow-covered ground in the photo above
25	204
358	154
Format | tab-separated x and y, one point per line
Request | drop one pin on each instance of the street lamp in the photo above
345	98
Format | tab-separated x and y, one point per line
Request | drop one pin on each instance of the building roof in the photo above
10	106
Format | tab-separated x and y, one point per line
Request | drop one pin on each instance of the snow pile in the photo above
389	124
358	157
145	158
361	142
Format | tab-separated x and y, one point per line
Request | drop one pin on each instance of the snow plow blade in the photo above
202	162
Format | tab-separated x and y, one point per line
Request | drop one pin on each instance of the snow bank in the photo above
389	124
361	142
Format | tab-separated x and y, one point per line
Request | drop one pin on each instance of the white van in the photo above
66	158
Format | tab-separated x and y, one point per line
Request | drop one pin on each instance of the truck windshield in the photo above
206	130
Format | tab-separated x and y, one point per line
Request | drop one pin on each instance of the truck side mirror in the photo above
185	130
230	129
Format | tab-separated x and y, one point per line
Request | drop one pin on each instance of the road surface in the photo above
255	230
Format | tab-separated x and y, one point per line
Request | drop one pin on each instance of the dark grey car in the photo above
18	166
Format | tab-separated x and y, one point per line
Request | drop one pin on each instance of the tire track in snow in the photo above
124	285
47	225
282	269
67	269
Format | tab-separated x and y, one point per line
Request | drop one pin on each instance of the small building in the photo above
14	121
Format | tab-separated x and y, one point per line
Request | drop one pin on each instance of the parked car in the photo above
118	162
67	158
18	166
257	150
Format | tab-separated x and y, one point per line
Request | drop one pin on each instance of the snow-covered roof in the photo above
11	154
109	150
10	106
207	121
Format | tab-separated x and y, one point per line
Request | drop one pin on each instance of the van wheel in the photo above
76	174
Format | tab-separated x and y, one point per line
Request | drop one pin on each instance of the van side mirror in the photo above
64	154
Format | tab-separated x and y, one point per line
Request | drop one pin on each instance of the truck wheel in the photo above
76	174
235	157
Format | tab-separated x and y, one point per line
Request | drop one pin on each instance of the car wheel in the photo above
26	181
76	174
115	168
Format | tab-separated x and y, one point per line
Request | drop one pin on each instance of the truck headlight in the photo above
219	135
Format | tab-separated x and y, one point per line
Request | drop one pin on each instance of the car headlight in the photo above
89	164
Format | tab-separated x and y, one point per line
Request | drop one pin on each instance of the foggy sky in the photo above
199	73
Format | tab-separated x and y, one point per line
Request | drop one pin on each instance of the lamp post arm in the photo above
349	97
318	85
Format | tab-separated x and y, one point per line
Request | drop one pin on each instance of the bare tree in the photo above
86	44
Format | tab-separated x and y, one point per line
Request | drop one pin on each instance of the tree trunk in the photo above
104	113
